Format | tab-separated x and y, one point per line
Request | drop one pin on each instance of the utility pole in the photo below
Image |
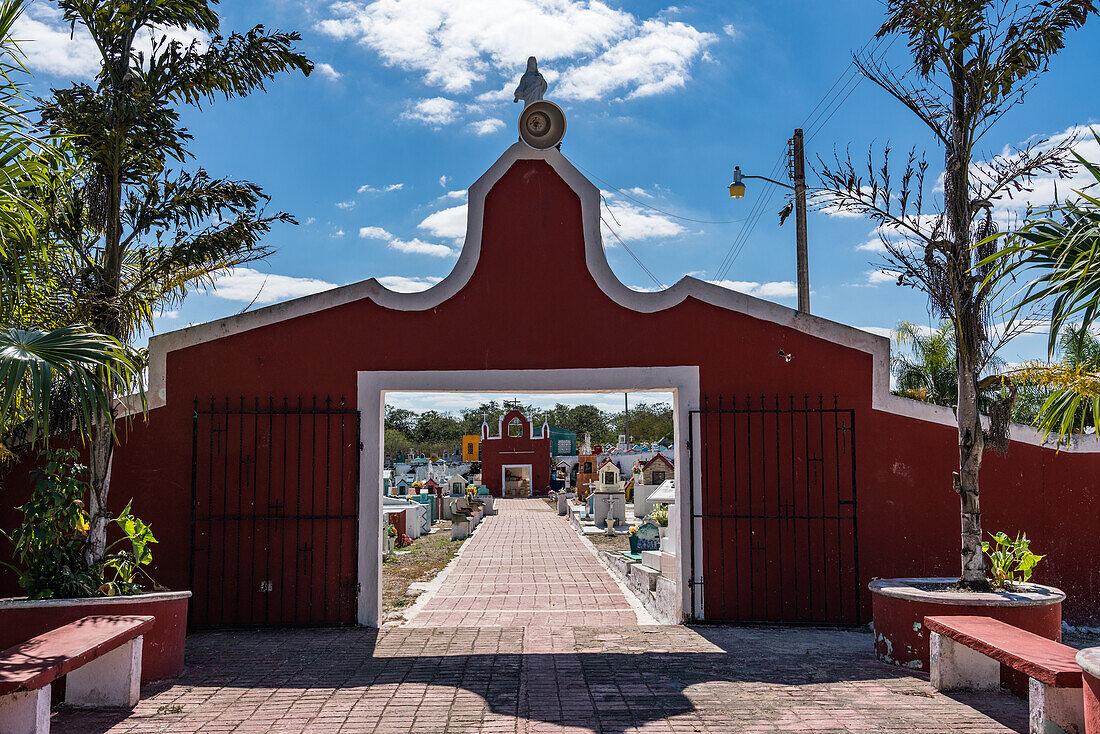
798	174
796	171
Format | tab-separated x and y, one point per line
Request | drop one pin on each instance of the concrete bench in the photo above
100	657
967	654
461	522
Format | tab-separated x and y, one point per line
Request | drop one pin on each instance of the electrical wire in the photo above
639	202
814	121
630	252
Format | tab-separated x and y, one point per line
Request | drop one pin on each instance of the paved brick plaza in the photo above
457	667
597	679
527	566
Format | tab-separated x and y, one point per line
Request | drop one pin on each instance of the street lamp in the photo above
798	175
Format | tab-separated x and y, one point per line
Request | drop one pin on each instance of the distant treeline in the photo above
434	432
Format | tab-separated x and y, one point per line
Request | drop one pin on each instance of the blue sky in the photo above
411	102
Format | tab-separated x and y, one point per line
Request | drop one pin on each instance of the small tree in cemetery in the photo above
138	228
972	61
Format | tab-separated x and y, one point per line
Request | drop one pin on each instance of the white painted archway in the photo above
682	382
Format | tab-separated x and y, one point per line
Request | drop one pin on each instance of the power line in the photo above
813	123
630	252
639	202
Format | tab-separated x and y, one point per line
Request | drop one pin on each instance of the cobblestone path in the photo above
526	566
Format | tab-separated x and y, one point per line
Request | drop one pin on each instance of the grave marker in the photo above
649	537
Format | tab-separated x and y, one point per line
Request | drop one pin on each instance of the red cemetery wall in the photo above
908	521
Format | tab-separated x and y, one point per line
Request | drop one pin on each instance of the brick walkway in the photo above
581	680
526	566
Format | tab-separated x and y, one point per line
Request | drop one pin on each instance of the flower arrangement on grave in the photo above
660	515
404	541
633	538
633	529
391	531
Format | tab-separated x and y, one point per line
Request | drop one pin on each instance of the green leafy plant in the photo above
391	531
121	570
50	542
660	515
1010	560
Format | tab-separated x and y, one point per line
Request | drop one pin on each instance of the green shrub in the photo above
1010	561
49	543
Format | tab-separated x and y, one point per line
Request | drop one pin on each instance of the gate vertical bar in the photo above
194	489
855	521
691	510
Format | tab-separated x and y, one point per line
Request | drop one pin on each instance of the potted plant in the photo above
633	538
389	539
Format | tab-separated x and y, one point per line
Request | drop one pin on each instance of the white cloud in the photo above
771	289
875	245
338	233
459	194
327	71
407	284
1044	189
369	189
443	180
474	45
47	45
435	111
731	31
249	285
414	246
633	222
487	126
309	221
54	47
350	204
449	223
878	277
166	315
656	59
374	233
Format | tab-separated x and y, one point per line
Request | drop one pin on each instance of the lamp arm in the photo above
771	180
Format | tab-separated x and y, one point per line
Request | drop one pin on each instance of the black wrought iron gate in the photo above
776	511
274	490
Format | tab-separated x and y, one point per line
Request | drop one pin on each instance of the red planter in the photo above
1089	660
161	649
899	608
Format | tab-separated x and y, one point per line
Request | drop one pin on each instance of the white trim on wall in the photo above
876	346
682	382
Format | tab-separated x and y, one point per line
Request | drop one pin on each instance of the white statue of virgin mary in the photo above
532	85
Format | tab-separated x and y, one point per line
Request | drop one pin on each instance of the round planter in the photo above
899	607
1089	660
161	649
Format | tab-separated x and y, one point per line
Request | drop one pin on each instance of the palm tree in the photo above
1061	247
1068	391
39	358
138	227
928	372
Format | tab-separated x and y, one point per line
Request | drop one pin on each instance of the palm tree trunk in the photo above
971	448
102	454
